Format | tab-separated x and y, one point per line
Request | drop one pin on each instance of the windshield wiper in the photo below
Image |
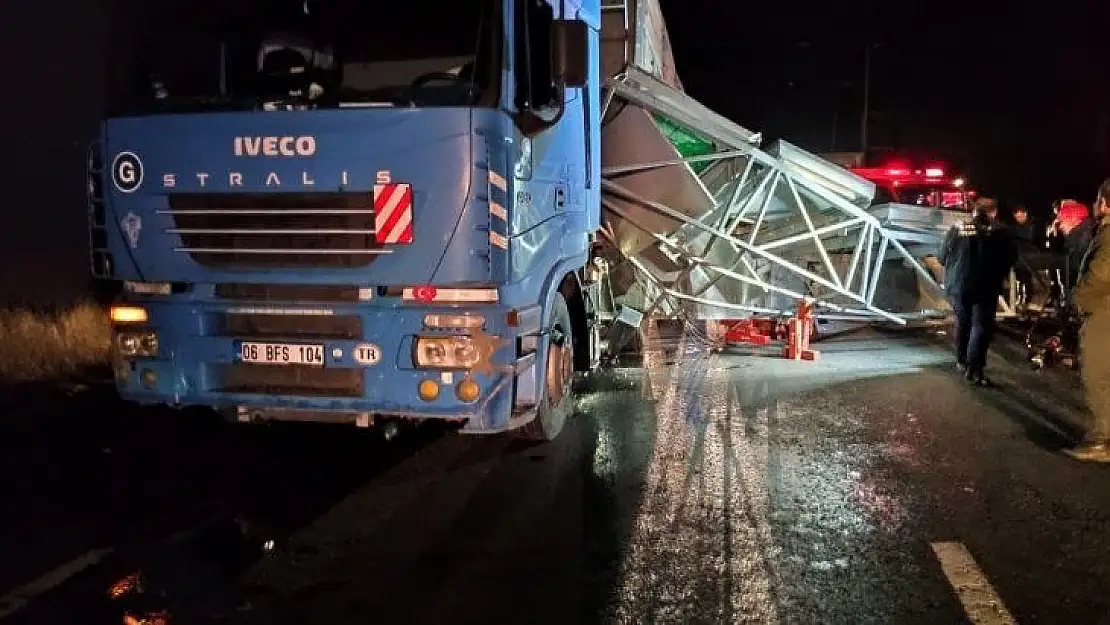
390	95
205	102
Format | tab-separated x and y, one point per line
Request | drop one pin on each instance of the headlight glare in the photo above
141	344
446	352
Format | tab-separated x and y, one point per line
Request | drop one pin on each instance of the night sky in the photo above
1021	99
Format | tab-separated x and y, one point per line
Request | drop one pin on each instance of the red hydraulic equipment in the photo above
799	332
752	331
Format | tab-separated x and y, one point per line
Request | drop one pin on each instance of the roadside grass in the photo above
39	345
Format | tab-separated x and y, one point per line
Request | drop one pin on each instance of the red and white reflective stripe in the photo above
393	213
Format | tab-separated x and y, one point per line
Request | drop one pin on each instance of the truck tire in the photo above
556	400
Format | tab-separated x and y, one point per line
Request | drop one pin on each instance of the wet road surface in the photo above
871	487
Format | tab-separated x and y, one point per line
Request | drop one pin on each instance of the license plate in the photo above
282	354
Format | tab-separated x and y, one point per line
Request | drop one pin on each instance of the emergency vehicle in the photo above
931	185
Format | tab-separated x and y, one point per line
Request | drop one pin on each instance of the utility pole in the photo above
840	90
866	98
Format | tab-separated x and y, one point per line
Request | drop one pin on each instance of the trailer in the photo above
312	223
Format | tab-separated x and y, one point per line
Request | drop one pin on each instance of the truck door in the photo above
550	167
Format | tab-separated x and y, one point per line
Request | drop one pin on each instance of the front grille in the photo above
288	380
292	293
275	230
264	326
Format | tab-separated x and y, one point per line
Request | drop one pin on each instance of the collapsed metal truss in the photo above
753	230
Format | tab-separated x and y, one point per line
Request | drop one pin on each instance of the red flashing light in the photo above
424	294
934	172
951	198
897	170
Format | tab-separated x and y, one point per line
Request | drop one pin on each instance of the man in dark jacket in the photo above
1092	298
1023	227
977	256
1022	231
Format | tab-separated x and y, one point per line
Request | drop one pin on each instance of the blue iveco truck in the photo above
355	211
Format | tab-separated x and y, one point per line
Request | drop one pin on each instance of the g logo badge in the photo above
127	172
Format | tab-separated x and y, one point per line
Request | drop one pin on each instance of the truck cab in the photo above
338	210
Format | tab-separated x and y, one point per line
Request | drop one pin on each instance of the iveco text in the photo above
275	146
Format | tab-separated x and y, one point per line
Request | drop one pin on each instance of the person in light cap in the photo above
1092	298
977	256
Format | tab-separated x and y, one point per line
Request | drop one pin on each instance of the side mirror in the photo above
572	52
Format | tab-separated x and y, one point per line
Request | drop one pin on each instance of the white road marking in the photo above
20	597
981	603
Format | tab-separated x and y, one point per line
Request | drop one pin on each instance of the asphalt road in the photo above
873	486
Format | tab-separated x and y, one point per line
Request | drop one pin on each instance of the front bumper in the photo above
197	362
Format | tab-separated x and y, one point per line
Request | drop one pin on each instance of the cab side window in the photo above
535	67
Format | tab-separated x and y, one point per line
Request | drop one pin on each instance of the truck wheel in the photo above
556	401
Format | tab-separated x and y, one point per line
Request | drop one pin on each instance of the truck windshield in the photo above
250	54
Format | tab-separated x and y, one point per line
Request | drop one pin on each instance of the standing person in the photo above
1022	231
977	256
989	205
1077	229
1092	297
1023	227
1055	243
1052	232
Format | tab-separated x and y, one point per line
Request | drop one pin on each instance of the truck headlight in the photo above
140	344
446	352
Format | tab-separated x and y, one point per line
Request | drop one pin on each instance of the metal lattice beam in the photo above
755	223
